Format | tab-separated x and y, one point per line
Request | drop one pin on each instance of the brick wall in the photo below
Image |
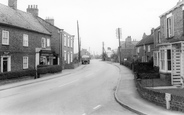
178	25
17	50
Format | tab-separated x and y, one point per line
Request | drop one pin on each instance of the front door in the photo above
5	64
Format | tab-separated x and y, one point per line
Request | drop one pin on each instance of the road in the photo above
88	91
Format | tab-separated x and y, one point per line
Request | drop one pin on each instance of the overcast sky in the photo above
98	19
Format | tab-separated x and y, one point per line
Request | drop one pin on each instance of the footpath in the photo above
42	78
127	96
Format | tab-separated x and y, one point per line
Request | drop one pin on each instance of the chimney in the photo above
152	30
12	4
33	9
50	20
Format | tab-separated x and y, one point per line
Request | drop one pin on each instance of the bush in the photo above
49	69
17	74
145	67
69	66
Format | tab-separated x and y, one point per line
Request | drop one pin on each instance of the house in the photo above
145	47
171	44
62	43
157	41
128	49
24	42
67	47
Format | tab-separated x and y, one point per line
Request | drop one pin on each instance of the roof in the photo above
17	18
145	41
180	3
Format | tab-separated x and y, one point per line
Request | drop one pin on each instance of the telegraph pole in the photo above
103	54
79	44
119	48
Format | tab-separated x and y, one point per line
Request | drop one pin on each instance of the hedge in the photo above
17	74
49	69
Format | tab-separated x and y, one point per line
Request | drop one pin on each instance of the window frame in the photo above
5	36
25	62
48	42
64	39
65	55
149	48
25	40
43	42
165	68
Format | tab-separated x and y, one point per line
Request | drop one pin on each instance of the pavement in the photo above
127	96
44	77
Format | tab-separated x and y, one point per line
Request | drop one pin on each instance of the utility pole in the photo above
60	48
119	37
79	42
103	54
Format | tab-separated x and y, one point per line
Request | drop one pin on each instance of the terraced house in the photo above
145	47
170	44
24	42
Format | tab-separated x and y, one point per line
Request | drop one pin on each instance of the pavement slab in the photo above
126	94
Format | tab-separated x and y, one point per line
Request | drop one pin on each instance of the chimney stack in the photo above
50	20
33	9
12	4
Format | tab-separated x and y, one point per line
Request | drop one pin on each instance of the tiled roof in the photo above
20	19
145	41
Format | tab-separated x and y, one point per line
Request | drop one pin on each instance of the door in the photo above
5	64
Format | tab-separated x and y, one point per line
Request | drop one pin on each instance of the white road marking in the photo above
97	107
69	83
84	114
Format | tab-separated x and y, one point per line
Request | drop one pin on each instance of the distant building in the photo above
128	48
145	48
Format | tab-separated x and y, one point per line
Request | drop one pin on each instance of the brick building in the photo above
145	47
171	44
21	35
68	47
128	48
62	43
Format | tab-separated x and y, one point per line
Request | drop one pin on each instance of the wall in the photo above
178	25
17	50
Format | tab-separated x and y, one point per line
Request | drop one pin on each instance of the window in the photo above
68	42
43	43
144	47
168	59
68	57
71	42
148	48
159	40
64	39
156	58
138	49
162	59
48	42
71	57
25	62
5	37
65	55
169	26
25	40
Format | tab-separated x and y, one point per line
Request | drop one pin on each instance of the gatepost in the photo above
168	99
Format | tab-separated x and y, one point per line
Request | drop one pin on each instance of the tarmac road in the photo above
85	91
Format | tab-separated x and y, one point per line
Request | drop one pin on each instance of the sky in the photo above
98	19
